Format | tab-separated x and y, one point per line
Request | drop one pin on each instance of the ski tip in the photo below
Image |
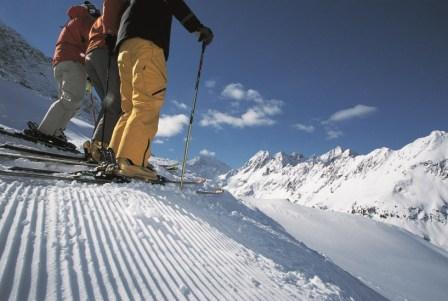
215	191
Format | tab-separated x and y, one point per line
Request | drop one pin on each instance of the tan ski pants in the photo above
143	75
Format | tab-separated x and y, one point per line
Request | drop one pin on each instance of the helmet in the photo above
93	11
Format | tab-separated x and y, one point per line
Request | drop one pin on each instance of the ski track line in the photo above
171	270
4	187
213	237
128	248
113	252
69	289
11	243
131	247
188	279
183	278
144	246
9	210
21	283
81	266
217	270
186	276
223	243
103	254
197	265
98	286
208	241
53	267
39	273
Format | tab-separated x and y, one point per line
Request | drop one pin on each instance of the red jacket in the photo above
96	35
108	23
74	37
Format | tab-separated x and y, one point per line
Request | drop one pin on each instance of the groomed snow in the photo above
142	242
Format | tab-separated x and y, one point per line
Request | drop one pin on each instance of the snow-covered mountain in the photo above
23	64
406	187
207	166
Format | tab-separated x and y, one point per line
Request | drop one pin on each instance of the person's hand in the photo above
205	35
110	43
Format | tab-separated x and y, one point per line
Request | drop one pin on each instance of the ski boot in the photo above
59	140
93	150
127	169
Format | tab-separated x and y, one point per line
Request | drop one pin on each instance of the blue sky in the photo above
292	75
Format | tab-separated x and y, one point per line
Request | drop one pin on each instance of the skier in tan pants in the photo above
143	43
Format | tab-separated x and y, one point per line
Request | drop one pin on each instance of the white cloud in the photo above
357	111
210	84
234	91
158	141
305	128
334	134
170	126
206	152
259	113
248	119
180	105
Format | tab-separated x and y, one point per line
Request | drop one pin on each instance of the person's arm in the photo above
112	11
184	15
188	19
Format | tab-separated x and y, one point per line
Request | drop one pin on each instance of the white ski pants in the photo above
71	79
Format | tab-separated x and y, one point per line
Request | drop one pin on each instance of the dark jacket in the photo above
151	20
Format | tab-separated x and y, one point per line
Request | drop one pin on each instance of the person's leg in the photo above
71	77
125	75
111	101
149	80
96	70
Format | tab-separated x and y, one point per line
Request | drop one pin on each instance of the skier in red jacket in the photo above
69	72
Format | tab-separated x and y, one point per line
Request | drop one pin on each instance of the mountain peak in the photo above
291	159
337	152
207	166
433	147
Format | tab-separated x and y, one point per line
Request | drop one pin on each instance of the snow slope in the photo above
406	187
25	65
396	263
27	70
141	242
18	105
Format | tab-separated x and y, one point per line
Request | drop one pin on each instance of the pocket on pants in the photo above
150	75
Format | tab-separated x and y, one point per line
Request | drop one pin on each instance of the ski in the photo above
20	135
214	191
45	156
90	177
41	158
96	175
48	176
23	149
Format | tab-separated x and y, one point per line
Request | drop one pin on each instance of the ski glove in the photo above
110	43
205	35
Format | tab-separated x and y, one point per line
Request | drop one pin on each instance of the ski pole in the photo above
92	103
190	125
106	100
